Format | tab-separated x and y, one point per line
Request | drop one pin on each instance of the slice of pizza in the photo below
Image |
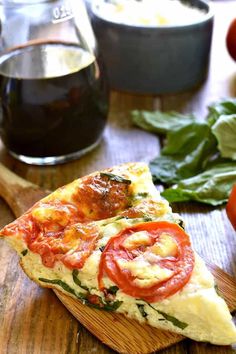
110	241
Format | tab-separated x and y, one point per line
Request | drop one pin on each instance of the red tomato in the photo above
79	241
71	245
180	263
231	39
231	207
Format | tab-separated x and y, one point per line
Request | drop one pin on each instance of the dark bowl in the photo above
155	60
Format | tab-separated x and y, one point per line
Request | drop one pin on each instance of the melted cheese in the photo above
165	246
137	239
49	213
146	274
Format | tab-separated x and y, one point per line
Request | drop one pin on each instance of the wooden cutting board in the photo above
116	331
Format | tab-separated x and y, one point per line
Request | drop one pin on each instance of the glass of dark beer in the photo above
54	95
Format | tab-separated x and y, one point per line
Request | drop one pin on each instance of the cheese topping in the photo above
165	246
140	238
143	267
146	274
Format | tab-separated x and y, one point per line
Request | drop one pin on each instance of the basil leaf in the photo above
170	318
115	178
62	284
141	310
211	186
147	218
107	306
113	290
119	217
181	224
160	122
225	132
140	196
75	273
224	107
111	306
186	153
173	320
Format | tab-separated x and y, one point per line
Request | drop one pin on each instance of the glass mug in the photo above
54	97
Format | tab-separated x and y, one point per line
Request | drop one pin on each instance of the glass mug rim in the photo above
15	3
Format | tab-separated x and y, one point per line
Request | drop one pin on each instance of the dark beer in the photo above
52	116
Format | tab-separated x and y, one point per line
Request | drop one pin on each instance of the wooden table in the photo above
32	320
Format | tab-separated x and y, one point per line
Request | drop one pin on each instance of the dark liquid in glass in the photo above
54	116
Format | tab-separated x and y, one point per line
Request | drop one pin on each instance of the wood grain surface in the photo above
32	320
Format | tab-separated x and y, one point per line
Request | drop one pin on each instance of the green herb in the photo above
111	306
62	284
113	220
113	290
173	320
170	318
193	151
160	122
102	248
147	218
120	217
24	252
107	306
104	305
142	194
139	196
224	107
116	178
211	186
141	310
186	153
181	224
75	273
225	132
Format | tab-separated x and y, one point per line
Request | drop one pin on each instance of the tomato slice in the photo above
231	207
149	261
79	241
71	245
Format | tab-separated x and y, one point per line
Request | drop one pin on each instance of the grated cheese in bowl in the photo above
148	13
